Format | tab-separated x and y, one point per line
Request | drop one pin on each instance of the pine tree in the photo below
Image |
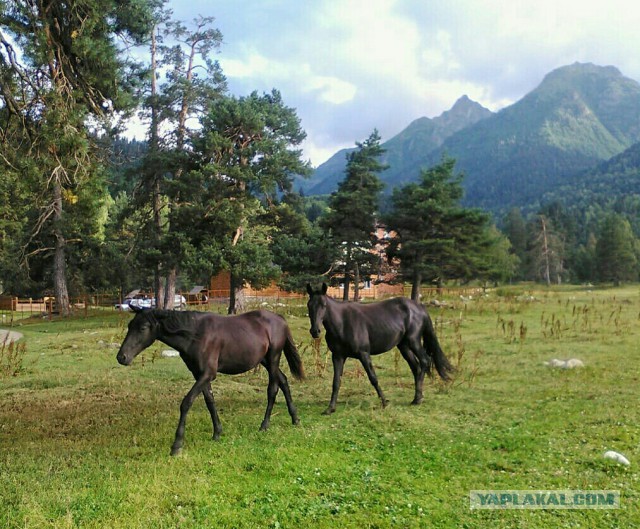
301	249
176	96
248	146
68	69
585	268
434	237
353	210
515	229
616	251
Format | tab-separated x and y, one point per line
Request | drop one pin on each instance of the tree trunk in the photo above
158	278
170	289
181	133
347	277
236	295
415	285
158	287
345	293
154	142
356	282
545	253
60	290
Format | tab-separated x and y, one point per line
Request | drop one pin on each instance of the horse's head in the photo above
317	306
143	331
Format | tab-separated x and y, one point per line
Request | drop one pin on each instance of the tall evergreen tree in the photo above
496	261
515	228
301	249
434	237
175	97
584	268
617	251
353	211
250	147
67	68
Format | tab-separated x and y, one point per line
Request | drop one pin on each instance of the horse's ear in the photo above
309	289
324	288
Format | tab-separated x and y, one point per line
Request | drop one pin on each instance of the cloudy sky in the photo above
349	66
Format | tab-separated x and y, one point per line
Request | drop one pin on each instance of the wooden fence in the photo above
24	307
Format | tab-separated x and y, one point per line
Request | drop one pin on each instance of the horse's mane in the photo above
175	322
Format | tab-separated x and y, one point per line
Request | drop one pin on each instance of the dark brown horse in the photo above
210	344
357	330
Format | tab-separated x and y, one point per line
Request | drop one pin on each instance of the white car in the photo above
179	302
142	301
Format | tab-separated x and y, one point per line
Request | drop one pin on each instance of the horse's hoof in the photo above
416	402
296	421
216	437
328	411
264	427
176	450
385	403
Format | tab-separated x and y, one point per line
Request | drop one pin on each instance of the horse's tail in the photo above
292	356
434	352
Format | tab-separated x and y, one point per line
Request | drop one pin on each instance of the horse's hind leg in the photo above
284	386
272	390
211	406
416	369
365	358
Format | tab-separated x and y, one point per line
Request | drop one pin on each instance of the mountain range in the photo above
405	151
579	116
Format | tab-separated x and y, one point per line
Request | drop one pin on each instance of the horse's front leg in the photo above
201	383
365	358
211	406
338	367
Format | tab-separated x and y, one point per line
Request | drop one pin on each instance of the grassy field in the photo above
84	442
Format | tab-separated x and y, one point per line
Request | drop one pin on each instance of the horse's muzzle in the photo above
315	333
123	360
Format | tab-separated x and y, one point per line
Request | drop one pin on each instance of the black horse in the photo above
355	330
210	344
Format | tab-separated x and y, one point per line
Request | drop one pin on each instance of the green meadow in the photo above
84	442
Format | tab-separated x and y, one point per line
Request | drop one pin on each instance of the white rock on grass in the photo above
618	458
6	337
571	363
169	353
112	345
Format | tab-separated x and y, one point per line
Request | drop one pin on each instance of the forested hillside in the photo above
578	116
404	152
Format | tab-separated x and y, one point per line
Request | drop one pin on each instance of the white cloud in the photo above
375	39
318	154
328	89
331	89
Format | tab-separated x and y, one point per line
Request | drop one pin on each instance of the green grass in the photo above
84	442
